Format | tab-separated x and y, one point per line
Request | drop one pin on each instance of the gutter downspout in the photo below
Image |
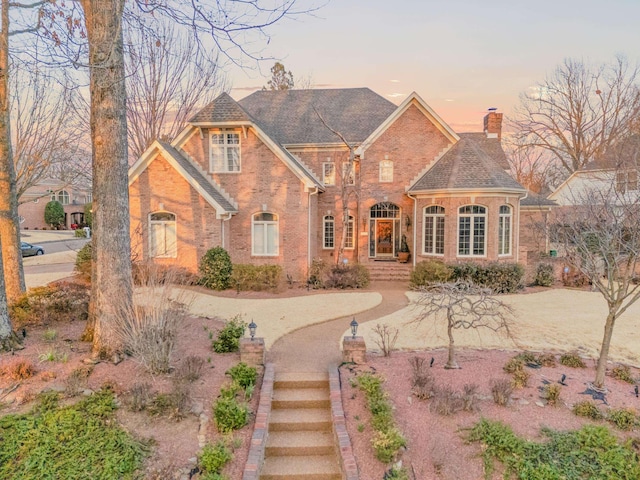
415	233
222	229
518	226
309	256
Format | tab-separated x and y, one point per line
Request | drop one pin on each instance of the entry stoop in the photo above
300	443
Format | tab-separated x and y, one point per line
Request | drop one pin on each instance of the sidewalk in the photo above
45	236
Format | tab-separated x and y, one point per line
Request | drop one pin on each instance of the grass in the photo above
79	441
591	452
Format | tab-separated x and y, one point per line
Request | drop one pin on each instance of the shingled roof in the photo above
222	109
469	164
535	200
199	178
289	116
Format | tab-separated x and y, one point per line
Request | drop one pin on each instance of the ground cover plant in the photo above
228	339
71	442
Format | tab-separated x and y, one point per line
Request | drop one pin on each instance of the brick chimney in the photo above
493	124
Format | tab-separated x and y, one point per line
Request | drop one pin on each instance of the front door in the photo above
384	238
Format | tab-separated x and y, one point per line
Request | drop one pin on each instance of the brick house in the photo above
263	177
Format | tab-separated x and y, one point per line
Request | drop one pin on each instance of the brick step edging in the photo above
345	450
260	428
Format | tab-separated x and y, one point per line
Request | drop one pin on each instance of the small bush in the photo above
317	273
501	390
19	370
396	473
500	277
213	458
62	301
430	272
83	261
446	402
190	369
623	372
229	414
228	339
49	335
572	359
588	409
53	355
623	418
513	365
347	276
172	405
140	396
551	393
423	384
243	375
544	275
149	273
470	397
79	233
256	277
547	359
387	443
77	380
520	379
216	269
385	338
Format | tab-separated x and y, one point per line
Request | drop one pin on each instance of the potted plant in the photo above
404	253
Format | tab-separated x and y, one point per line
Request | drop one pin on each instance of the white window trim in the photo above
501	218
473	216
253	233
386	163
351	221
432	217
162	222
225	132
324	231
325	177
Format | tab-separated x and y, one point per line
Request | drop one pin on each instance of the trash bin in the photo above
87	232
553	253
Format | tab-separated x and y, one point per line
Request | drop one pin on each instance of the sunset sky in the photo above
461	56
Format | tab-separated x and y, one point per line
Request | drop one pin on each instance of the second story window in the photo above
224	155
329	173
63	197
386	171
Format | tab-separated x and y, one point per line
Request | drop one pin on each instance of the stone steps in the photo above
386	271
300	444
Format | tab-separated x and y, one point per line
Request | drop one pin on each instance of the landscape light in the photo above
252	329
354	327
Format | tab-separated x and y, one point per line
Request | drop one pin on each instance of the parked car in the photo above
28	249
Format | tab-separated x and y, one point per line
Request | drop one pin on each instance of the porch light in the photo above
252	329
354	327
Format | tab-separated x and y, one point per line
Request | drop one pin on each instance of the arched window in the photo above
163	242
386	171
329	232
63	197
434	230
504	230
472	231
264	234
349	241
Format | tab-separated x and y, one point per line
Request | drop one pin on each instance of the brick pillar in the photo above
354	350
252	351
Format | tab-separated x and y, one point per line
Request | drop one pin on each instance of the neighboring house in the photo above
34	200
263	176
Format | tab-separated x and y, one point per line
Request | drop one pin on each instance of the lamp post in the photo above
252	329
354	327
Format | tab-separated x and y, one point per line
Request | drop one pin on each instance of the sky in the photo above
460	56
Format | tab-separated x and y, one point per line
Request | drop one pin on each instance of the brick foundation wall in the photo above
261	427
347	458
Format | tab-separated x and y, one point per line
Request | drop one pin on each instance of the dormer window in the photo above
224	156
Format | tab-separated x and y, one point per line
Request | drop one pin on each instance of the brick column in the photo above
252	351
354	350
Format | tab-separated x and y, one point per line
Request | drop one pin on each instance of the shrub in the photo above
446	401
190	369
215	269
623	418
588	409
317	273
385	338
256	277
572	359
470	397
19	370
551	393
213	458
228	339
520	378
229	414
172	404
79	233
423	385
347	276
140	397
513	365
54	213
396	473
544	275
623	372
430	272
62	301
547	359
83	260
146	273
499	277
243	375
387	443
501	390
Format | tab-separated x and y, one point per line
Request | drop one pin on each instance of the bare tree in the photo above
463	305
168	80
600	237
280	78
532	166
580	111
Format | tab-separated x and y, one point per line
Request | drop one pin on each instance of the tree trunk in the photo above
9	226
451	360
8	339
111	240
601	369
